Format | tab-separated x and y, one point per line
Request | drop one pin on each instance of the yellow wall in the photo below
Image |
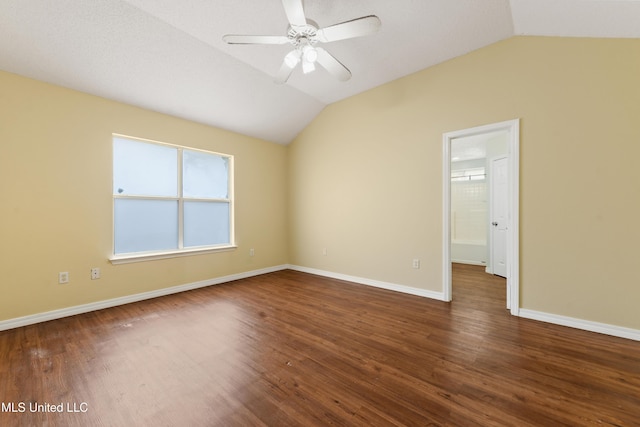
366	176
56	209
363	180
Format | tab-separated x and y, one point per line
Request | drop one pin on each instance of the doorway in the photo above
490	235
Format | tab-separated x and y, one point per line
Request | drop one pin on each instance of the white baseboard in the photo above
85	308
370	282
603	328
587	325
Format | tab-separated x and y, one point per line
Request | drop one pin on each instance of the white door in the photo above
499	215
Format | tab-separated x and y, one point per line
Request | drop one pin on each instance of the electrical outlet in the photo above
95	273
252	252
324	251
63	277
416	263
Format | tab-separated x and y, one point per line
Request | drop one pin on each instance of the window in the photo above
169	199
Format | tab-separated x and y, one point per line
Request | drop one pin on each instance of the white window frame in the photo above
181	250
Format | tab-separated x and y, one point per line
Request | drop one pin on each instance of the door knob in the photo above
495	224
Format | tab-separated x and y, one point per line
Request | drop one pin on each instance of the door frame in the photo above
513	231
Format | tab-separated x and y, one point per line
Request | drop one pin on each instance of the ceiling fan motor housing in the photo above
304	35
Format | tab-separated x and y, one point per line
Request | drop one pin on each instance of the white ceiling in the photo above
168	55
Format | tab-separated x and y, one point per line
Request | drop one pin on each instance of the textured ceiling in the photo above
168	55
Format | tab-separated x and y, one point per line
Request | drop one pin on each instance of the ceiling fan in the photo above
305	35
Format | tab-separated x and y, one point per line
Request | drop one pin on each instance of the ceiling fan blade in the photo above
346	30
332	65
295	12
283	74
290	61
239	39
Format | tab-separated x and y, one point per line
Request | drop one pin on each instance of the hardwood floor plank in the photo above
294	349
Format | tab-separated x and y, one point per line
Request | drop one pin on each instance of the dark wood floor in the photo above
289	349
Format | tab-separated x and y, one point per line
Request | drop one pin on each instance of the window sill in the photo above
152	256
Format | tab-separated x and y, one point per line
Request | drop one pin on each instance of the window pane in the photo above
206	223
144	169
145	225
205	175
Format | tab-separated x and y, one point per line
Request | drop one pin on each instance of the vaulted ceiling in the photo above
168	55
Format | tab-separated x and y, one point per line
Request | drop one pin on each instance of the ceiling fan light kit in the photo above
308	67
292	59
303	35
309	54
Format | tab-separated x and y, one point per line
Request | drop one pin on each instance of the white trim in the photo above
151	256
99	305
587	325
370	282
446	218
513	233
513	238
